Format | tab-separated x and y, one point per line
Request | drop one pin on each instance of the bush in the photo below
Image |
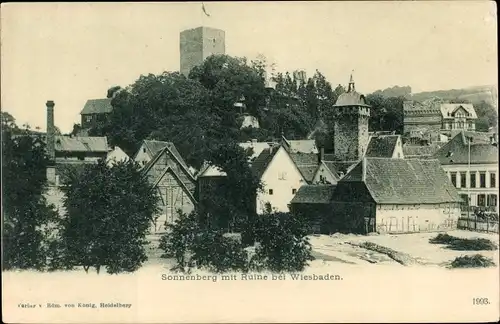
462	244
177	242
283	245
475	261
215	252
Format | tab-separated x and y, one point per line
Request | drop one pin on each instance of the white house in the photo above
280	176
116	155
477	177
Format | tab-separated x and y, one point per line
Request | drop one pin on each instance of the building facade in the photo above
95	111
475	175
199	43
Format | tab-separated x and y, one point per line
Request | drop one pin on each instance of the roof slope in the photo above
168	147
456	151
261	163
421	151
97	106
398	181
449	108
81	144
300	146
307	163
314	194
382	146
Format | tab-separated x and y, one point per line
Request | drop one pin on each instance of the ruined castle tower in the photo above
199	43
350	129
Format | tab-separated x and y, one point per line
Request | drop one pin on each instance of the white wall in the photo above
416	218
281	165
398	150
142	156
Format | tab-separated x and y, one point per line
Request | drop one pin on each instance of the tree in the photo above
231	204
113	232
26	213
487	116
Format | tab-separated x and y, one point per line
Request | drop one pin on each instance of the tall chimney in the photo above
321	155
51	141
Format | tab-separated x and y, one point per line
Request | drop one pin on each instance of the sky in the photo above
72	52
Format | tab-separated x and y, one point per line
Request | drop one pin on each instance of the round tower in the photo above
350	129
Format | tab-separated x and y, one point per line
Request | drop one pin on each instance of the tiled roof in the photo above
307	163
314	194
398	181
456	151
260	164
257	148
420	151
97	106
333	169
153	146
382	146
81	144
449	108
300	146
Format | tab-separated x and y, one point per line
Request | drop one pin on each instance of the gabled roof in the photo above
117	155
170	147
332	168
314	194
420	151
81	144
382	146
447	109
260	164
456	151
97	106
307	163
183	185
398	181
300	146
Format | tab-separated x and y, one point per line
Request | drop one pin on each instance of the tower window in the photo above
271	191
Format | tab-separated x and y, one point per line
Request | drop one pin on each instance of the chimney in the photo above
51	145
321	155
363	165
51	150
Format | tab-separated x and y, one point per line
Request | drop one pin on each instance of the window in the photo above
454	179
81	157
473	180
294	191
492	200
144	149
270	191
463	180
88	118
481	200
482	180
282	176
493	180
464	199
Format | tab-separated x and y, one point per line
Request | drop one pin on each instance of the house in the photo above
299	146
326	173
116	155
280	177
395	196
386	146
314	203
175	184
428	119
411	151
147	150
475	175
95	111
67	154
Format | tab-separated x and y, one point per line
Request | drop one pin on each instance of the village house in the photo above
280	177
432	118
67	154
475	175
386	146
116	155
170	175
95	111
394	196
314	204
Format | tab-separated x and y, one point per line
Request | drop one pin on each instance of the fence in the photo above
480	225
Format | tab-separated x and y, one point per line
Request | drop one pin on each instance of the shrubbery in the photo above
463	244
282	246
474	261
